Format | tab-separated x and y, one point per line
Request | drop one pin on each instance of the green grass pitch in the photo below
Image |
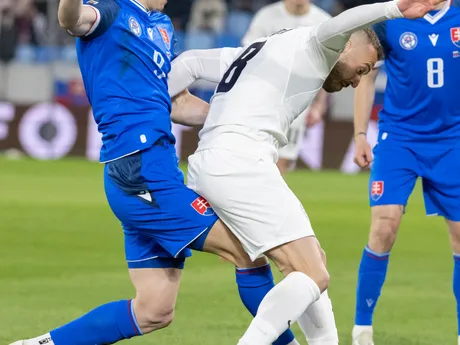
62	254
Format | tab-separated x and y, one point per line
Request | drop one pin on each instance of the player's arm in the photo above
363	102
192	65
188	110
90	19
335	32
76	18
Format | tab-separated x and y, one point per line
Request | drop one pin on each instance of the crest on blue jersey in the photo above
455	36
408	40
134	26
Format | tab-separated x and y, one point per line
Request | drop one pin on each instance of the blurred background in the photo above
44	112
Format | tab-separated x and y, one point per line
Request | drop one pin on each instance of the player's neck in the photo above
296	10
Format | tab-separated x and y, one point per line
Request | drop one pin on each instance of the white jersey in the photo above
266	88
275	17
269	83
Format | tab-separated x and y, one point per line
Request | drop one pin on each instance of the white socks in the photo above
318	322
281	308
44	339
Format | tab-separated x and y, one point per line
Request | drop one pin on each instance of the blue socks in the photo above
253	285
106	324
456	287
371	276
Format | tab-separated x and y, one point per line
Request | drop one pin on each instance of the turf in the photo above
62	254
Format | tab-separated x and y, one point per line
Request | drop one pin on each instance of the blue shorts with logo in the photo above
161	218
397	165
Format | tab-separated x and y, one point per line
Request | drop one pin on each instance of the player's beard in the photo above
336	80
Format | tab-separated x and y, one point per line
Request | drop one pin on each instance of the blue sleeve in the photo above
107	13
174	50
381	31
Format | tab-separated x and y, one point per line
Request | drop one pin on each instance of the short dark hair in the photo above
373	39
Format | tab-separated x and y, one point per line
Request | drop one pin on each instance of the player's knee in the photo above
323	255
384	229
152	314
153	319
321	277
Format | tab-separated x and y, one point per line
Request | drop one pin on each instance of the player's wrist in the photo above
393	11
360	134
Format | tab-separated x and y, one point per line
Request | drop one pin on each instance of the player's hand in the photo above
363	153
412	9
314	116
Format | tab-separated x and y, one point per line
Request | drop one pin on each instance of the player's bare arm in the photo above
193	65
364	98
335	32
188	109
76	18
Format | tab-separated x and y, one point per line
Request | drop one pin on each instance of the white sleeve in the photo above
209	65
335	32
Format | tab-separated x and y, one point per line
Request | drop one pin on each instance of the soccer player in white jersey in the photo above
265	88
270	19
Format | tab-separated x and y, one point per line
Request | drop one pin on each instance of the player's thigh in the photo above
441	182
250	197
156	295
221	241
302	255
393	174
147	194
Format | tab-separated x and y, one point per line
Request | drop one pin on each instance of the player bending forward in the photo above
265	88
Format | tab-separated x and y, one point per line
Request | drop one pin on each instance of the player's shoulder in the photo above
319	14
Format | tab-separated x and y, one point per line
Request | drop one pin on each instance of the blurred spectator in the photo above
208	15
32	25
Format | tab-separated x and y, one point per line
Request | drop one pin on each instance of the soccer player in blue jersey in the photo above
125	48
419	131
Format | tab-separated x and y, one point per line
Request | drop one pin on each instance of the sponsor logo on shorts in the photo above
201	205
44	341
376	190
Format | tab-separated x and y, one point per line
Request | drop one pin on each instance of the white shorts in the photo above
249	195
295	135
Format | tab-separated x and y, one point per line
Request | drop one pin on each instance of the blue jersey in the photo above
423	69
124	60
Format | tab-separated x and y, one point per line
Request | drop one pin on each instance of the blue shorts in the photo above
161	217
397	166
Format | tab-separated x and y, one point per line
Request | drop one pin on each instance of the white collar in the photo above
138	4
438	15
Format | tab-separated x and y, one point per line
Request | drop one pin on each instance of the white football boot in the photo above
363	335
